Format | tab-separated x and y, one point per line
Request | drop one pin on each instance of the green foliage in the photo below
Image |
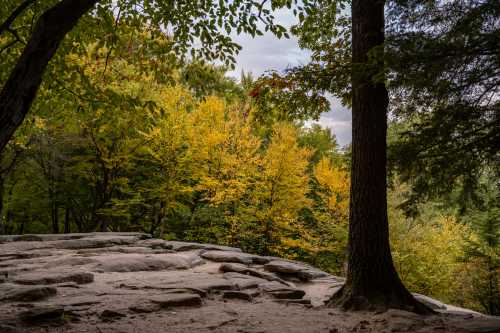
482	253
451	112
321	141
284	98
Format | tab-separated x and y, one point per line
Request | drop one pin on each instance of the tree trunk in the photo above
372	281
55	218
67	223
78	220
20	88
2	222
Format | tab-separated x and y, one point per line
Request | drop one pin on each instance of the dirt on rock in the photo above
128	282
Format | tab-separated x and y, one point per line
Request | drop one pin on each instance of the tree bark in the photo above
55	217
67	222
21	87
372	281
2	222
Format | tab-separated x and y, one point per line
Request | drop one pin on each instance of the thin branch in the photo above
113	39
6	24
16	35
8	45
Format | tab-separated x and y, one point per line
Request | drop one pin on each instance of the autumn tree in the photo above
227	158
330	192
208	22
281	190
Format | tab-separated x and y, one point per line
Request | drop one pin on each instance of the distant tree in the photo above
280	190
330	209
227	158
321	141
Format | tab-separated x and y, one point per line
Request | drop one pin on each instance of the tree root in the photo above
377	301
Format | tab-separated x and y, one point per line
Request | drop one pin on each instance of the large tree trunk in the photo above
2	222
67	222
372	281
20	89
55	217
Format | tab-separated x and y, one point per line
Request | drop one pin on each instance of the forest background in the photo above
126	135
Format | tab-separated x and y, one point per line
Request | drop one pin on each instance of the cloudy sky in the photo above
267	52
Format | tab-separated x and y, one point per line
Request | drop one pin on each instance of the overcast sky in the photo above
267	52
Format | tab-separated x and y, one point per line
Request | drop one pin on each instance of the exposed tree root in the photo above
378	301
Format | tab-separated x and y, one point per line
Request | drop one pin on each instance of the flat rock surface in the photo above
128	282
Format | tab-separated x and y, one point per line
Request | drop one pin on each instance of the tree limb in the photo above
22	85
6	24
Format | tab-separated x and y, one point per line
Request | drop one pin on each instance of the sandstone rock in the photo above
173	300
400	320
144	308
210	284
43	313
25	255
288	293
109	315
278	290
280	266
27	238
141	263
86	243
229	256
301	271
232	294
430	302
200	283
57	237
186	246
486	324
200	292
155	244
294	301
68	285
142	276
52	278
70	261
6	328
27	294
238	268
242	281
121	249
173	289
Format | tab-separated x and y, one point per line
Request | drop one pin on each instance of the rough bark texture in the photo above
2	222
372	281
20	89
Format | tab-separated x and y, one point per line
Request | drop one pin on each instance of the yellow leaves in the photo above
40	123
334	186
284	163
331	178
426	253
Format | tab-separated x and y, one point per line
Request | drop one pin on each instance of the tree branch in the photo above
21	87
6	24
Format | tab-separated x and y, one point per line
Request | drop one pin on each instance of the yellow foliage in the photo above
426	253
282	185
334	184
226	155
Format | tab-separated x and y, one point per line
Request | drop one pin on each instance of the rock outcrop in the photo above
126	282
